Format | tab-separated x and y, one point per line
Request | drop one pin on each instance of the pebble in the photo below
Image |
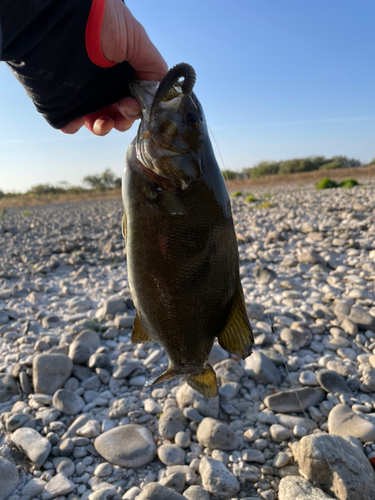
343	421
196	492
261	369
298	488
58	486
9	478
217	479
332	382
171	421
36	447
50	372
214	434
83	346
350	478
155	491
279	432
129	445
33	487
8	387
171	454
288	401
175	481
67	402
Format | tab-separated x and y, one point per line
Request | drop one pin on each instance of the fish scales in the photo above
181	246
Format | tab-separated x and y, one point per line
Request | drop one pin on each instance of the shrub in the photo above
263	168
297	165
267	204
229	175
267	196
326	184
348	183
250	198
106	180
26	212
331	165
347	162
236	193
45	189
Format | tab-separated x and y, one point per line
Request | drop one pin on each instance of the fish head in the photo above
170	136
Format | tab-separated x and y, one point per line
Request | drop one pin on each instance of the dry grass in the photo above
29	200
302	177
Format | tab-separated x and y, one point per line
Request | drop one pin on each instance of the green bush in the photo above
236	193
297	165
267	196
26	212
250	198
348	183
331	165
267	204
107	180
263	168
229	175
326	184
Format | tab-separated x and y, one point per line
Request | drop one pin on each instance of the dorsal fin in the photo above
139	336
237	336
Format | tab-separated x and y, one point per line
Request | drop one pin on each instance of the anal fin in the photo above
139	336
169	373
124	226
237	336
205	382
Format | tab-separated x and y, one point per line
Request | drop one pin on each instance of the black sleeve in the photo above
43	42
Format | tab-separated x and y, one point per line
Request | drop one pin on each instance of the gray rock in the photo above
77	424
58	486
83	346
104	494
16	420
255	311
121	407
8	387
185	469
216	478
368	378
229	390
332	382
186	396
343	421
228	371
281	460
9	478
64	466
175	481
34	487
349	474
310	257
249	455
297	488
263	275
129	445
214	434
341	309
261	369
67	402
132	493
171	421
36	447
291	421
114	306
4	318
171	454
50	372
288	402
279	432
155	491
196	492
361	318
103	470
217	354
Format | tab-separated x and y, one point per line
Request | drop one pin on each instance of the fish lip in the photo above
144	92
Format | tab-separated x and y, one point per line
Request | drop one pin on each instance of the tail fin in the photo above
205	382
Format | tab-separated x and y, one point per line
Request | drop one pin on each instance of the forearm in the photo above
44	44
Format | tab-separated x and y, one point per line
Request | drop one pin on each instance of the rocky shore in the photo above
296	420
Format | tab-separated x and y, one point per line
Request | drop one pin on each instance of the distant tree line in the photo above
99	182
295	165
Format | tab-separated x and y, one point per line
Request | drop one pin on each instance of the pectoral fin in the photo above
139	336
205	382
170	203
124	226
237	336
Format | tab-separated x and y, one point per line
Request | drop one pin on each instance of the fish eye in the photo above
193	120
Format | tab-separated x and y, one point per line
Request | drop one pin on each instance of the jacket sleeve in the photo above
43	42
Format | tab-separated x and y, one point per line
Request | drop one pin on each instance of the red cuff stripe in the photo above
93	30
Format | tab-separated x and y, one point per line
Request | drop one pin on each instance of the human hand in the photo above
122	38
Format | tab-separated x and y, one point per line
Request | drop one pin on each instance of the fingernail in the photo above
134	112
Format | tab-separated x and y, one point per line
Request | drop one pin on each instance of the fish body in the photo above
181	245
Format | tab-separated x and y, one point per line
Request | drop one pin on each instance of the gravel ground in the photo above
295	420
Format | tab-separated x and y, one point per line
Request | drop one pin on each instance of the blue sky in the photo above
277	79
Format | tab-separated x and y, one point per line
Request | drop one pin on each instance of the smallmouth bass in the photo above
181	246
